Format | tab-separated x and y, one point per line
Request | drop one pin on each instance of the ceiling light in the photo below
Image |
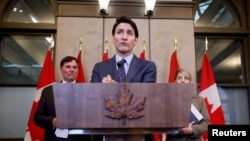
104	6
150	4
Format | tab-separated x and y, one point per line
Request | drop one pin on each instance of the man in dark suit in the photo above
125	36
45	115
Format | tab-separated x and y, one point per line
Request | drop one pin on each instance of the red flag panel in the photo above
209	91
174	66
47	77
80	76
105	55
142	55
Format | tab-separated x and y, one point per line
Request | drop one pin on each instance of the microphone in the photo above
121	71
120	64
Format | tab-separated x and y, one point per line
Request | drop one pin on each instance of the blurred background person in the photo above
193	131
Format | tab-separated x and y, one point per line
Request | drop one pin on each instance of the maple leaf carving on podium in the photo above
123	107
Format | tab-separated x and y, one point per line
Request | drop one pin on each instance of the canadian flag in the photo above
142	54
105	55
80	76
157	137
209	91
47	77
174	66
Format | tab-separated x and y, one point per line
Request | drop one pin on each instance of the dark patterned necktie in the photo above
121	71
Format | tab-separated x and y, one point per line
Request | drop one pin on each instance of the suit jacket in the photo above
139	70
46	112
44	115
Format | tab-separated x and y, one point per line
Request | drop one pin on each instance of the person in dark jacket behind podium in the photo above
125	36
45	116
195	129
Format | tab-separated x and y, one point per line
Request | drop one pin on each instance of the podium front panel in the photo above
83	105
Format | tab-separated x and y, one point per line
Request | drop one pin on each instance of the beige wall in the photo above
161	40
163	33
69	32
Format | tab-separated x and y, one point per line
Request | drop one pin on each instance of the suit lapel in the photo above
112	69
133	68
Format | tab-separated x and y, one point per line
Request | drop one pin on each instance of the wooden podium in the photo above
123	108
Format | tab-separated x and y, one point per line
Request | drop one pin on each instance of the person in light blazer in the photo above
194	130
45	115
125	36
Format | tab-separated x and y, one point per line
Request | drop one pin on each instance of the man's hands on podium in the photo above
108	79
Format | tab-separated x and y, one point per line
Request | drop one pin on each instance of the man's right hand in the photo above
108	79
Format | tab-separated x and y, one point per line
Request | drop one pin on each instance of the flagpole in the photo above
106	44
144	45
208	84
80	44
206	44
51	42
80	76
46	78
149	37
174	64
175	43
103	32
